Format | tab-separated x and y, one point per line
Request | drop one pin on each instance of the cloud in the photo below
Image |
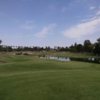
98	13
83	29
28	25
92	7
45	31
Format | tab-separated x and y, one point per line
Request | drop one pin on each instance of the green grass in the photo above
31	78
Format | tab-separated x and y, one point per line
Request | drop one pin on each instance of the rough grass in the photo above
70	54
31	78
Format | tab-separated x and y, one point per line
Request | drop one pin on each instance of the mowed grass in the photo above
32	78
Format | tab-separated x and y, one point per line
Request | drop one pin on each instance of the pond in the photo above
67	59
63	59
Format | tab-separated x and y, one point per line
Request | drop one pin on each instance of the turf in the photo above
32	78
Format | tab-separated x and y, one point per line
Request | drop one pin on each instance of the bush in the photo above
19	53
93	60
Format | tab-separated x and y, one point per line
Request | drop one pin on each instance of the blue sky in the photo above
49	22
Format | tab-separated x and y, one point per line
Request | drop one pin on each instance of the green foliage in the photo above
97	47
88	46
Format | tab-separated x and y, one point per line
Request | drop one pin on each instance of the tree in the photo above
97	47
88	47
75	47
0	45
47	48
0	41
71	48
98	40
79	48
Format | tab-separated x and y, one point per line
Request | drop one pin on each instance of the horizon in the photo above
46	45
49	22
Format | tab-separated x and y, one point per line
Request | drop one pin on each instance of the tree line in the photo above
86	47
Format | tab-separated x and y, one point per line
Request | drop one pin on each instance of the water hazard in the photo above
63	59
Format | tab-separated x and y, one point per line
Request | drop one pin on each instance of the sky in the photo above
49	22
